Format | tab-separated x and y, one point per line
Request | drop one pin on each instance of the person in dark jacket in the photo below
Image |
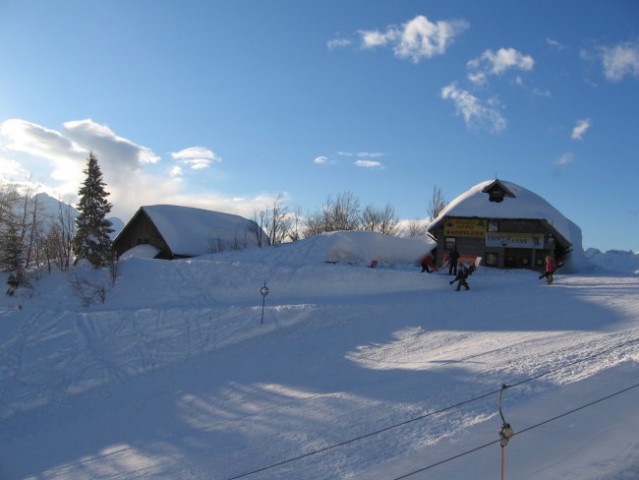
462	277
453	258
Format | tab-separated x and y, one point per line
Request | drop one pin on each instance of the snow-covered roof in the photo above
523	204
194	231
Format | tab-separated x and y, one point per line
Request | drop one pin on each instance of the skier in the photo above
551	266
462	276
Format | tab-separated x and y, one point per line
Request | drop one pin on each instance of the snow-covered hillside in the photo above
355	372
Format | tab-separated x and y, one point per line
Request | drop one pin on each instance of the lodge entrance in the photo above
518	258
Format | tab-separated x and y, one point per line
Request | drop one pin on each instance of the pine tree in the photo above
92	239
12	258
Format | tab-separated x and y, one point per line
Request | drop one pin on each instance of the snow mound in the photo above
342	247
140	251
620	261
354	247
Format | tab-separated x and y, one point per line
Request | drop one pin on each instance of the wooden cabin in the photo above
181	232
505	224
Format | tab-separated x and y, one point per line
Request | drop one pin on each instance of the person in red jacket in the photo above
428	262
551	266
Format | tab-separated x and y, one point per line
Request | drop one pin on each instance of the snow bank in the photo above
140	251
341	247
356	247
621	261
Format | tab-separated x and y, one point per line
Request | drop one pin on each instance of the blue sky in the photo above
228	104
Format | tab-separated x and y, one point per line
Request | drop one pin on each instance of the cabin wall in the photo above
141	231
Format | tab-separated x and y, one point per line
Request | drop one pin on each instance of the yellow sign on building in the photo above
465	227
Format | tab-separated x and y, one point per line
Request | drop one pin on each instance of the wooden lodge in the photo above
506	225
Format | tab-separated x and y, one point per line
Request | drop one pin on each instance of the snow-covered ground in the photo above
355	372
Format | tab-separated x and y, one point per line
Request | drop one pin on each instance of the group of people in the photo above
463	271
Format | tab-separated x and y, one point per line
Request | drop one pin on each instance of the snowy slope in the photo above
355	373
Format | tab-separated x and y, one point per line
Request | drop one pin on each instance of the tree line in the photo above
344	212
32	239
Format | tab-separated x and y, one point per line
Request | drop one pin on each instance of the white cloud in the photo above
244	206
496	63
554	43
475	112
417	39
363	159
11	171
57	160
338	43
565	159
102	140
176	172
580	129
368	163
128	169
370	154
22	136
620	61
361	154
65	159
196	158
373	38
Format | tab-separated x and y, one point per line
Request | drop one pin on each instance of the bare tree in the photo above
416	228
437	203
346	212
295	232
278	221
56	246
32	229
382	221
343	213
8	197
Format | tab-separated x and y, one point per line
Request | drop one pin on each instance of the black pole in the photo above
264	292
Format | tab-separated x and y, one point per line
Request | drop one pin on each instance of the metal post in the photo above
505	433
264	293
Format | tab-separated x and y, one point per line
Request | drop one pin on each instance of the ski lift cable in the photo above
532	427
432	413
